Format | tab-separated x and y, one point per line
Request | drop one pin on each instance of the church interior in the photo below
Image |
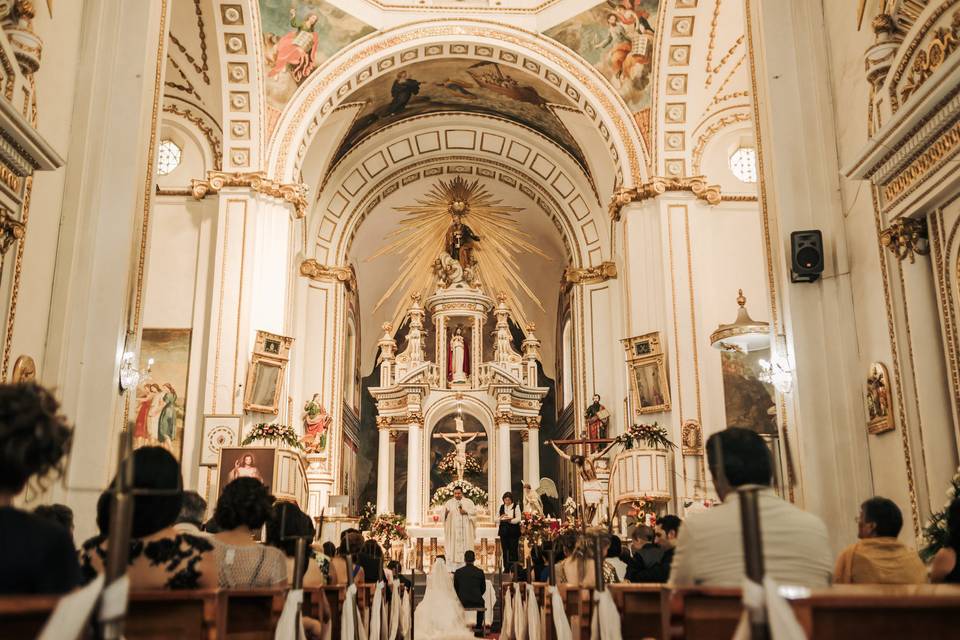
538	281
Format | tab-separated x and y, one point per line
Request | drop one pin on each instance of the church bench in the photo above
334	594
880	611
578	606
24	616
640	609
251	614
189	614
700	613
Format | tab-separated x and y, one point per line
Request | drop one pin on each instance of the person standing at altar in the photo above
459	529
509	531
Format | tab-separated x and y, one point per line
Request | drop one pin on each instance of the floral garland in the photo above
447	467
653	436
475	493
537	529
388	527
935	534
272	432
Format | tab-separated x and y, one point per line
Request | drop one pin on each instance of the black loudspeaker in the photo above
806	252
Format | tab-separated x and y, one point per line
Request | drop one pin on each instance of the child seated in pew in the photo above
244	507
160	556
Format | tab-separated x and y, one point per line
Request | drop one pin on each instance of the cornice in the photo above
294	193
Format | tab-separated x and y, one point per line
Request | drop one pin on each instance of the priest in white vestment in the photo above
459	530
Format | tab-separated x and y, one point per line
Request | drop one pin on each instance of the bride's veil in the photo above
440	614
440	582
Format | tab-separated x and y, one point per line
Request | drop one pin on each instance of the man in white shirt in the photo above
709	549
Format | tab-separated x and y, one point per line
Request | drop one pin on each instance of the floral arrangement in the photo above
538	529
475	493
388	527
935	533
447	467
273	433
367	515
652	436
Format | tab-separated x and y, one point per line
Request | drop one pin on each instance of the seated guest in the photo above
350	542
945	566
709	549
160	557
578	568
36	555
244	506
469	582
59	514
190	519
103	522
879	558
287	524
371	559
396	570
613	557
666	531
644	565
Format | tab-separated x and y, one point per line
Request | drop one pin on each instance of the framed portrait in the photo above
647	364
266	372
161	397
246	462
879	409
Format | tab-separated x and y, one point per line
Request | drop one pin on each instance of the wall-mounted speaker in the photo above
806	253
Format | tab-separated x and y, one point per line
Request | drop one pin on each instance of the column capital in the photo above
328	273
659	185
295	192
906	238
590	275
533	422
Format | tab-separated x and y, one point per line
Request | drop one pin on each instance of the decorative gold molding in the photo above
941	46
326	273
211	136
933	157
659	185
294	193
590	275
906	238
11	230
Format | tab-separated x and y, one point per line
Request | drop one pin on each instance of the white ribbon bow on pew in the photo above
351	626
288	627
606	619
72	612
506	625
533	615
519	617
405	615
783	624
394	610
560	622
376	611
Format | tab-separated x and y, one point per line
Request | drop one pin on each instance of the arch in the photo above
445	406
496	149
391	50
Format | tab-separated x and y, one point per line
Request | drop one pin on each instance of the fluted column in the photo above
503	459
383	470
413	473
533	444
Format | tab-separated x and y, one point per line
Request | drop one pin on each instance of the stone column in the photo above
383	468
414	446
532	474
525	439
392	471
503	458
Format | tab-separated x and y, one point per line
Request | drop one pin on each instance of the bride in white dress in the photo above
440	616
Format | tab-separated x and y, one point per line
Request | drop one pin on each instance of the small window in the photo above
168	158
743	164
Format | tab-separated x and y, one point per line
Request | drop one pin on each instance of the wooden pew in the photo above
640	609
334	595
24	616
700	613
251	614
578	605
194	614
880	611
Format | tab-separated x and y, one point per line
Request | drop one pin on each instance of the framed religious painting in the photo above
879	409
265	375
647	365
245	462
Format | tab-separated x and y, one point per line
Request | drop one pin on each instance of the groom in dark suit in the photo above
470	583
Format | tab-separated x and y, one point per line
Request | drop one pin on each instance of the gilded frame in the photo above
878	400
647	366
270	351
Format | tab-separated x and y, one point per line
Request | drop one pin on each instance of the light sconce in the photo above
130	376
744	334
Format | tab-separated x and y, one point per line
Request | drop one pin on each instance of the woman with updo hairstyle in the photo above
160	557
245	505
36	555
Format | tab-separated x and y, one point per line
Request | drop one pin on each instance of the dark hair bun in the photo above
34	437
245	501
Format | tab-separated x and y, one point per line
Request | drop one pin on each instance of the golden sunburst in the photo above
422	237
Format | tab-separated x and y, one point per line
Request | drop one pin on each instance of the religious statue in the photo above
448	270
460	240
597	419
316	420
458	357
460	446
296	51
459	529
592	487
531	500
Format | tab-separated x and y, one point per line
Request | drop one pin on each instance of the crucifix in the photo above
592	489
460	440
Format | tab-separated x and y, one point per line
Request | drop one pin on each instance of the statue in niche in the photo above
460	239
316	420
458	357
459	442
597	420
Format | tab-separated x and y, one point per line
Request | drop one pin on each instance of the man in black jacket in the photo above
645	564
470	583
